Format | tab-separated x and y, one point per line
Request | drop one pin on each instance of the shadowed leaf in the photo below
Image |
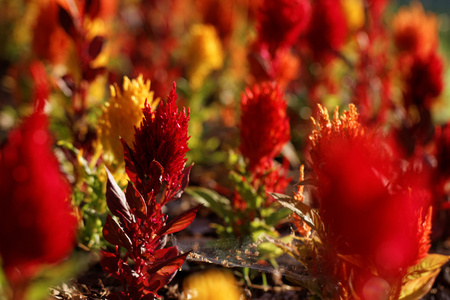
114	234
180	222
116	200
136	201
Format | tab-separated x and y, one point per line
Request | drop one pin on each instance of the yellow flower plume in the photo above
204	53
121	114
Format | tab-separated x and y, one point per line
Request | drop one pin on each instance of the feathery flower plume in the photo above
37	226
121	114
415	32
162	137
204	53
264	124
368	204
159	153
327	31
281	22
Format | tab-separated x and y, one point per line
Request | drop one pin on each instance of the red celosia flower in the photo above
162	137
264	124
424	82
368	204
41	89
281	22
327	30
36	222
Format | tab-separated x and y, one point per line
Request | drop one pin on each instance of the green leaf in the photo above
247	192
211	199
305	212
274	218
420	278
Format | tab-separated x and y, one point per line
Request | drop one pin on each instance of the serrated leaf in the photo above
211	199
114	234
180	222
116	200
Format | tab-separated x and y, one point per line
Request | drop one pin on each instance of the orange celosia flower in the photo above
369	206
121	114
49	39
414	31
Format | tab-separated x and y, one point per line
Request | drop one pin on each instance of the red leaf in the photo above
66	22
166	273
136	201
181	187
180	222
116	200
168	266
165	253
109	261
114	234
95	46
130	167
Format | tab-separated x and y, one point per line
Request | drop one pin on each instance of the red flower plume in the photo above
327	30
36	222
162	138
369	205
264	124
281	22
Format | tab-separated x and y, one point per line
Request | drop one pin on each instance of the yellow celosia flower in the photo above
121	114
354	13
211	285
415	31
204	53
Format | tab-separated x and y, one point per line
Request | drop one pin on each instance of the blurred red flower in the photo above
425	81
50	41
327	31
370	204
36	221
281	22
264	124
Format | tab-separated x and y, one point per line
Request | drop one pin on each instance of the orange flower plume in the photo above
369	205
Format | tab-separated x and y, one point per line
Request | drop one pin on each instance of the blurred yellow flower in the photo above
204	53
121	114
211	285
415	31
354	13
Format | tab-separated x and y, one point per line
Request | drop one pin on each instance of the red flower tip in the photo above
36	221
163	137
264	124
327	30
281	22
